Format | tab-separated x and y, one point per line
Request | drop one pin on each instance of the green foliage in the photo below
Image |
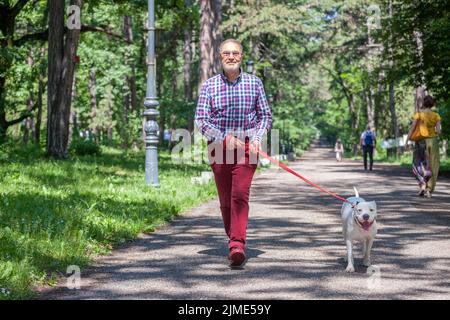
85	147
428	20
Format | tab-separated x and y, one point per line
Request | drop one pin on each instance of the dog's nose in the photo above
366	217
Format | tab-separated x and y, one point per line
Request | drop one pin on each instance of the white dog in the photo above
358	223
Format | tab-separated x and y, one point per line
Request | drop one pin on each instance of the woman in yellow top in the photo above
426	150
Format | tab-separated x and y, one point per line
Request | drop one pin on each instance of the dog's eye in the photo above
360	210
371	210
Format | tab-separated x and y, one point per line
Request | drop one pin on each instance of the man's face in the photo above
231	57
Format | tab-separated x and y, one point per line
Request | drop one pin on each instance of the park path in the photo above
295	245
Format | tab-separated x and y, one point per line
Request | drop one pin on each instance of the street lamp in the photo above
250	66
150	103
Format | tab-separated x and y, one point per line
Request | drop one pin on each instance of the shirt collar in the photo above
224	78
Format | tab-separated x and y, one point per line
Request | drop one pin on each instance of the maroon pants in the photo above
233	180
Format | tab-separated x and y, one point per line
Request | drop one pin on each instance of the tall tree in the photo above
93	99
62	48
210	38
392	108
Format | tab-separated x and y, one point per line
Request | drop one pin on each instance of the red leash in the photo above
265	155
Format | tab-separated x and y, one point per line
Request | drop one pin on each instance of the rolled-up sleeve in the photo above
264	115
203	116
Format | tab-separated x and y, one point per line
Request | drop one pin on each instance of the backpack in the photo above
368	139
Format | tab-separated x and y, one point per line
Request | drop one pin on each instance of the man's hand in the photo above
234	143
255	146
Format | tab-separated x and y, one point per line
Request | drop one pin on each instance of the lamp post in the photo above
250	66
150	103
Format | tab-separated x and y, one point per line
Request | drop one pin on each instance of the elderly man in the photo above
233	114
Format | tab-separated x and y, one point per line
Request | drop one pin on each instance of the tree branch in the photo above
106	30
43	35
25	115
18	7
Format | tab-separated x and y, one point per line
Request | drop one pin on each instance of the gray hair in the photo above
230	41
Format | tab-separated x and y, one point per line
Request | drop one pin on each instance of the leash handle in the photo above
286	168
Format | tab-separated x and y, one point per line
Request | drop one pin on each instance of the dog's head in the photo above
364	214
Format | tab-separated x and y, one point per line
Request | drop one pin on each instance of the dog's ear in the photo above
373	205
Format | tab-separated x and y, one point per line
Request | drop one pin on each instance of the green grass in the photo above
59	213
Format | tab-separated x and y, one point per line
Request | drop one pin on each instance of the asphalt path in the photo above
295	247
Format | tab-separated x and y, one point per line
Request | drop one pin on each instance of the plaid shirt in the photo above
240	108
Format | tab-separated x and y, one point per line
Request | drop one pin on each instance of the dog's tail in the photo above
356	192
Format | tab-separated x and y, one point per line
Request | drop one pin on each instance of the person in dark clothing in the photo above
368	142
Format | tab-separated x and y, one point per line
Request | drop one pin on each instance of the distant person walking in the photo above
339	149
368	142
424	131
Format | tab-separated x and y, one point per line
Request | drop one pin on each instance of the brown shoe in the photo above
236	257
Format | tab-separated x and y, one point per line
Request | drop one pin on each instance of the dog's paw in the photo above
350	269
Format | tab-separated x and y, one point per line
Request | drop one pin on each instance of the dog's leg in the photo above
350	267
364	248
368	246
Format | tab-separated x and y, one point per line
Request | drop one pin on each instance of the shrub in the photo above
85	147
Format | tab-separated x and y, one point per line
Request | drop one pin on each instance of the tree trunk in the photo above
110	113
29	123
216	35
7	23
354	122
93	99
61	66
206	41
394	115
379	105
72	118
75	131
370	106
188	58
124	125
133	89
131	79
130	83
37	129
187	67
3	122
188	96
394	120
173	116
418	97
421	89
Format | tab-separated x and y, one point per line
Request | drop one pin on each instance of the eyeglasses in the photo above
229	53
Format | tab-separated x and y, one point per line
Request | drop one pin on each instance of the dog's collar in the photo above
354	208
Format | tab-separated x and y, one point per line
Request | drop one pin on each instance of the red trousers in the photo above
233	180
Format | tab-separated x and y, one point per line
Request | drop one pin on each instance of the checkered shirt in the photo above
240	109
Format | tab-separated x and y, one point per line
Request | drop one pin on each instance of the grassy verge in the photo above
55	214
